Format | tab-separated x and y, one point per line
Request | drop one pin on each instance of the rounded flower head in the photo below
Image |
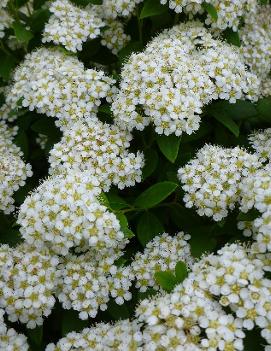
13	170
261	143
28	280
102	150
88	281
56	84
180	71
70	25
160	254
64	213
124	335
212	180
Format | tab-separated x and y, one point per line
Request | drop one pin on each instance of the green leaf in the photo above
7	64
166	280
87	2
228	122
46	126
152	8
211	10
249	216
169	146
181	271
124	225
22	34
35	337
264	109
232	37
133	46
102	198
116	202
155	194
240	110
151	162
148	227
38	20
71	322
21	140
117	311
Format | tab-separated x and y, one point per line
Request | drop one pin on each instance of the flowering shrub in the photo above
135	175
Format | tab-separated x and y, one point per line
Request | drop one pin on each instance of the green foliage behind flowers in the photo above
135	183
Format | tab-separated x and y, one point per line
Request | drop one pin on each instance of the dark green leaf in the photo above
264	109
7	64
228	122
152	8
71	322
155	194
148	227
133	46
115	201
151	162
22	34
181	271
35	337
232	37
166	280
169	146
249	216
124	225
211	10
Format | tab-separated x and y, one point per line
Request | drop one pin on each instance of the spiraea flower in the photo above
211	180
111	9
5	21
71	26
261	143
88	281
57	84
237	278
13	170
266	87
114	37
180	71
102	150
256	41
64	213
124	335
28	280
160	254
178	320
10	339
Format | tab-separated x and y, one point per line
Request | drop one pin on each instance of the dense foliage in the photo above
135	175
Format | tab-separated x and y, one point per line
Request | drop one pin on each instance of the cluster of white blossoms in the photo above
124	335
261	143
266	87
58	85
64	212
180	71
212	180
99	148
13	170
28	280
10	340
111	9
256	193
160	254
5	21
71	26
114	37
256	41
89	280
236	277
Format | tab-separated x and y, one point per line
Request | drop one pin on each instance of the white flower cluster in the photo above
212	180
124	335
41	140
237	278
261	143
229	13
10	340
160	254
88	281
266	87
64	213
111	9
256	41
256	192
28	280
13	170
102	150
179	72
71	26
57	85
114	37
